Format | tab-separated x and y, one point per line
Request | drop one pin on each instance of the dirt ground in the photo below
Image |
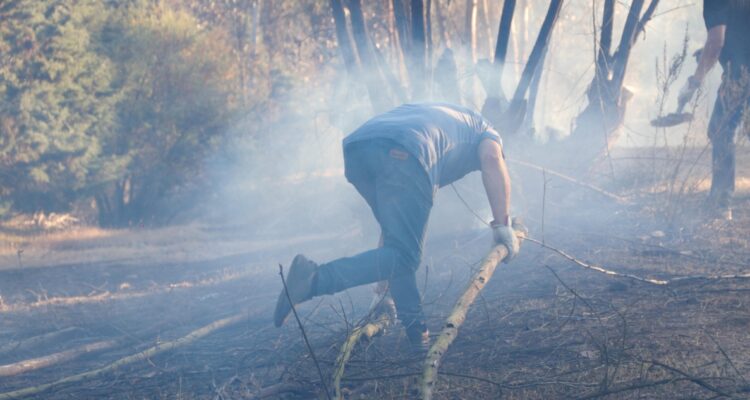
543	328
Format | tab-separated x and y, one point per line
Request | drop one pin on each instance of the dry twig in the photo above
366	331
456	318
564	177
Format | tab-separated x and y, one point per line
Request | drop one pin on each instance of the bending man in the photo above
396	161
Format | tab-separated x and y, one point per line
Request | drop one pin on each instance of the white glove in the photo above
505	235
687	92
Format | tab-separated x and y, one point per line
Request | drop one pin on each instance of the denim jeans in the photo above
397	189
731	103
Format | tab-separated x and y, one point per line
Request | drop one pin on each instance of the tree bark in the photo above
492	82
596	128
621	57
503	35
401	12
540	47
342	36
418	58
513	117
444	36
372	75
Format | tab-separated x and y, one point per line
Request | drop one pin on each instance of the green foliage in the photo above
57	101
124	101
174	79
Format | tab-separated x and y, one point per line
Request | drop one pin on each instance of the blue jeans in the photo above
731	102
397	189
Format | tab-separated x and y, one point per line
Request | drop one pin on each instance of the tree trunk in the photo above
342	36
537	53
444	36
510	120
401	12
529	127
470	39
418	53
494	86
620	59
596	128
372	74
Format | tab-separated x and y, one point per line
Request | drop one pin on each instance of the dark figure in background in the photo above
728	41
397	161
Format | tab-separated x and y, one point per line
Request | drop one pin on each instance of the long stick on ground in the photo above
366	331
56	358
564	177
36	340
597	268
144	355
456	318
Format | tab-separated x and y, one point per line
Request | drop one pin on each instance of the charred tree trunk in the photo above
373	77
418	52
441	25
501	48
342	36
401	12
537	53
533	95
599	123
510	120
470	44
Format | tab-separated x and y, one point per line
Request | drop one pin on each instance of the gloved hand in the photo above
505	235
687	92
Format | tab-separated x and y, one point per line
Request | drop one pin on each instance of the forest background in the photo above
149	112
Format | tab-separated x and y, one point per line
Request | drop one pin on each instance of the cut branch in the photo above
562	176
456	319
366	332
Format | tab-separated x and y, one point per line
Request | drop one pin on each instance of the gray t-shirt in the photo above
443	137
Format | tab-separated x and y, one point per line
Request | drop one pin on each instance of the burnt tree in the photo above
509	117
598	124
364	61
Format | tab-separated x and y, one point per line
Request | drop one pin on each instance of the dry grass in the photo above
543	328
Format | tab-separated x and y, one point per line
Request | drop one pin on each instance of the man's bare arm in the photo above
711	52
496	179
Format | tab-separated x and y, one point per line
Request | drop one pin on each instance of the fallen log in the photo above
36	341
456	318
141	356
32	364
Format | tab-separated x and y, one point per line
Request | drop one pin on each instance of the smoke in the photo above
282	173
